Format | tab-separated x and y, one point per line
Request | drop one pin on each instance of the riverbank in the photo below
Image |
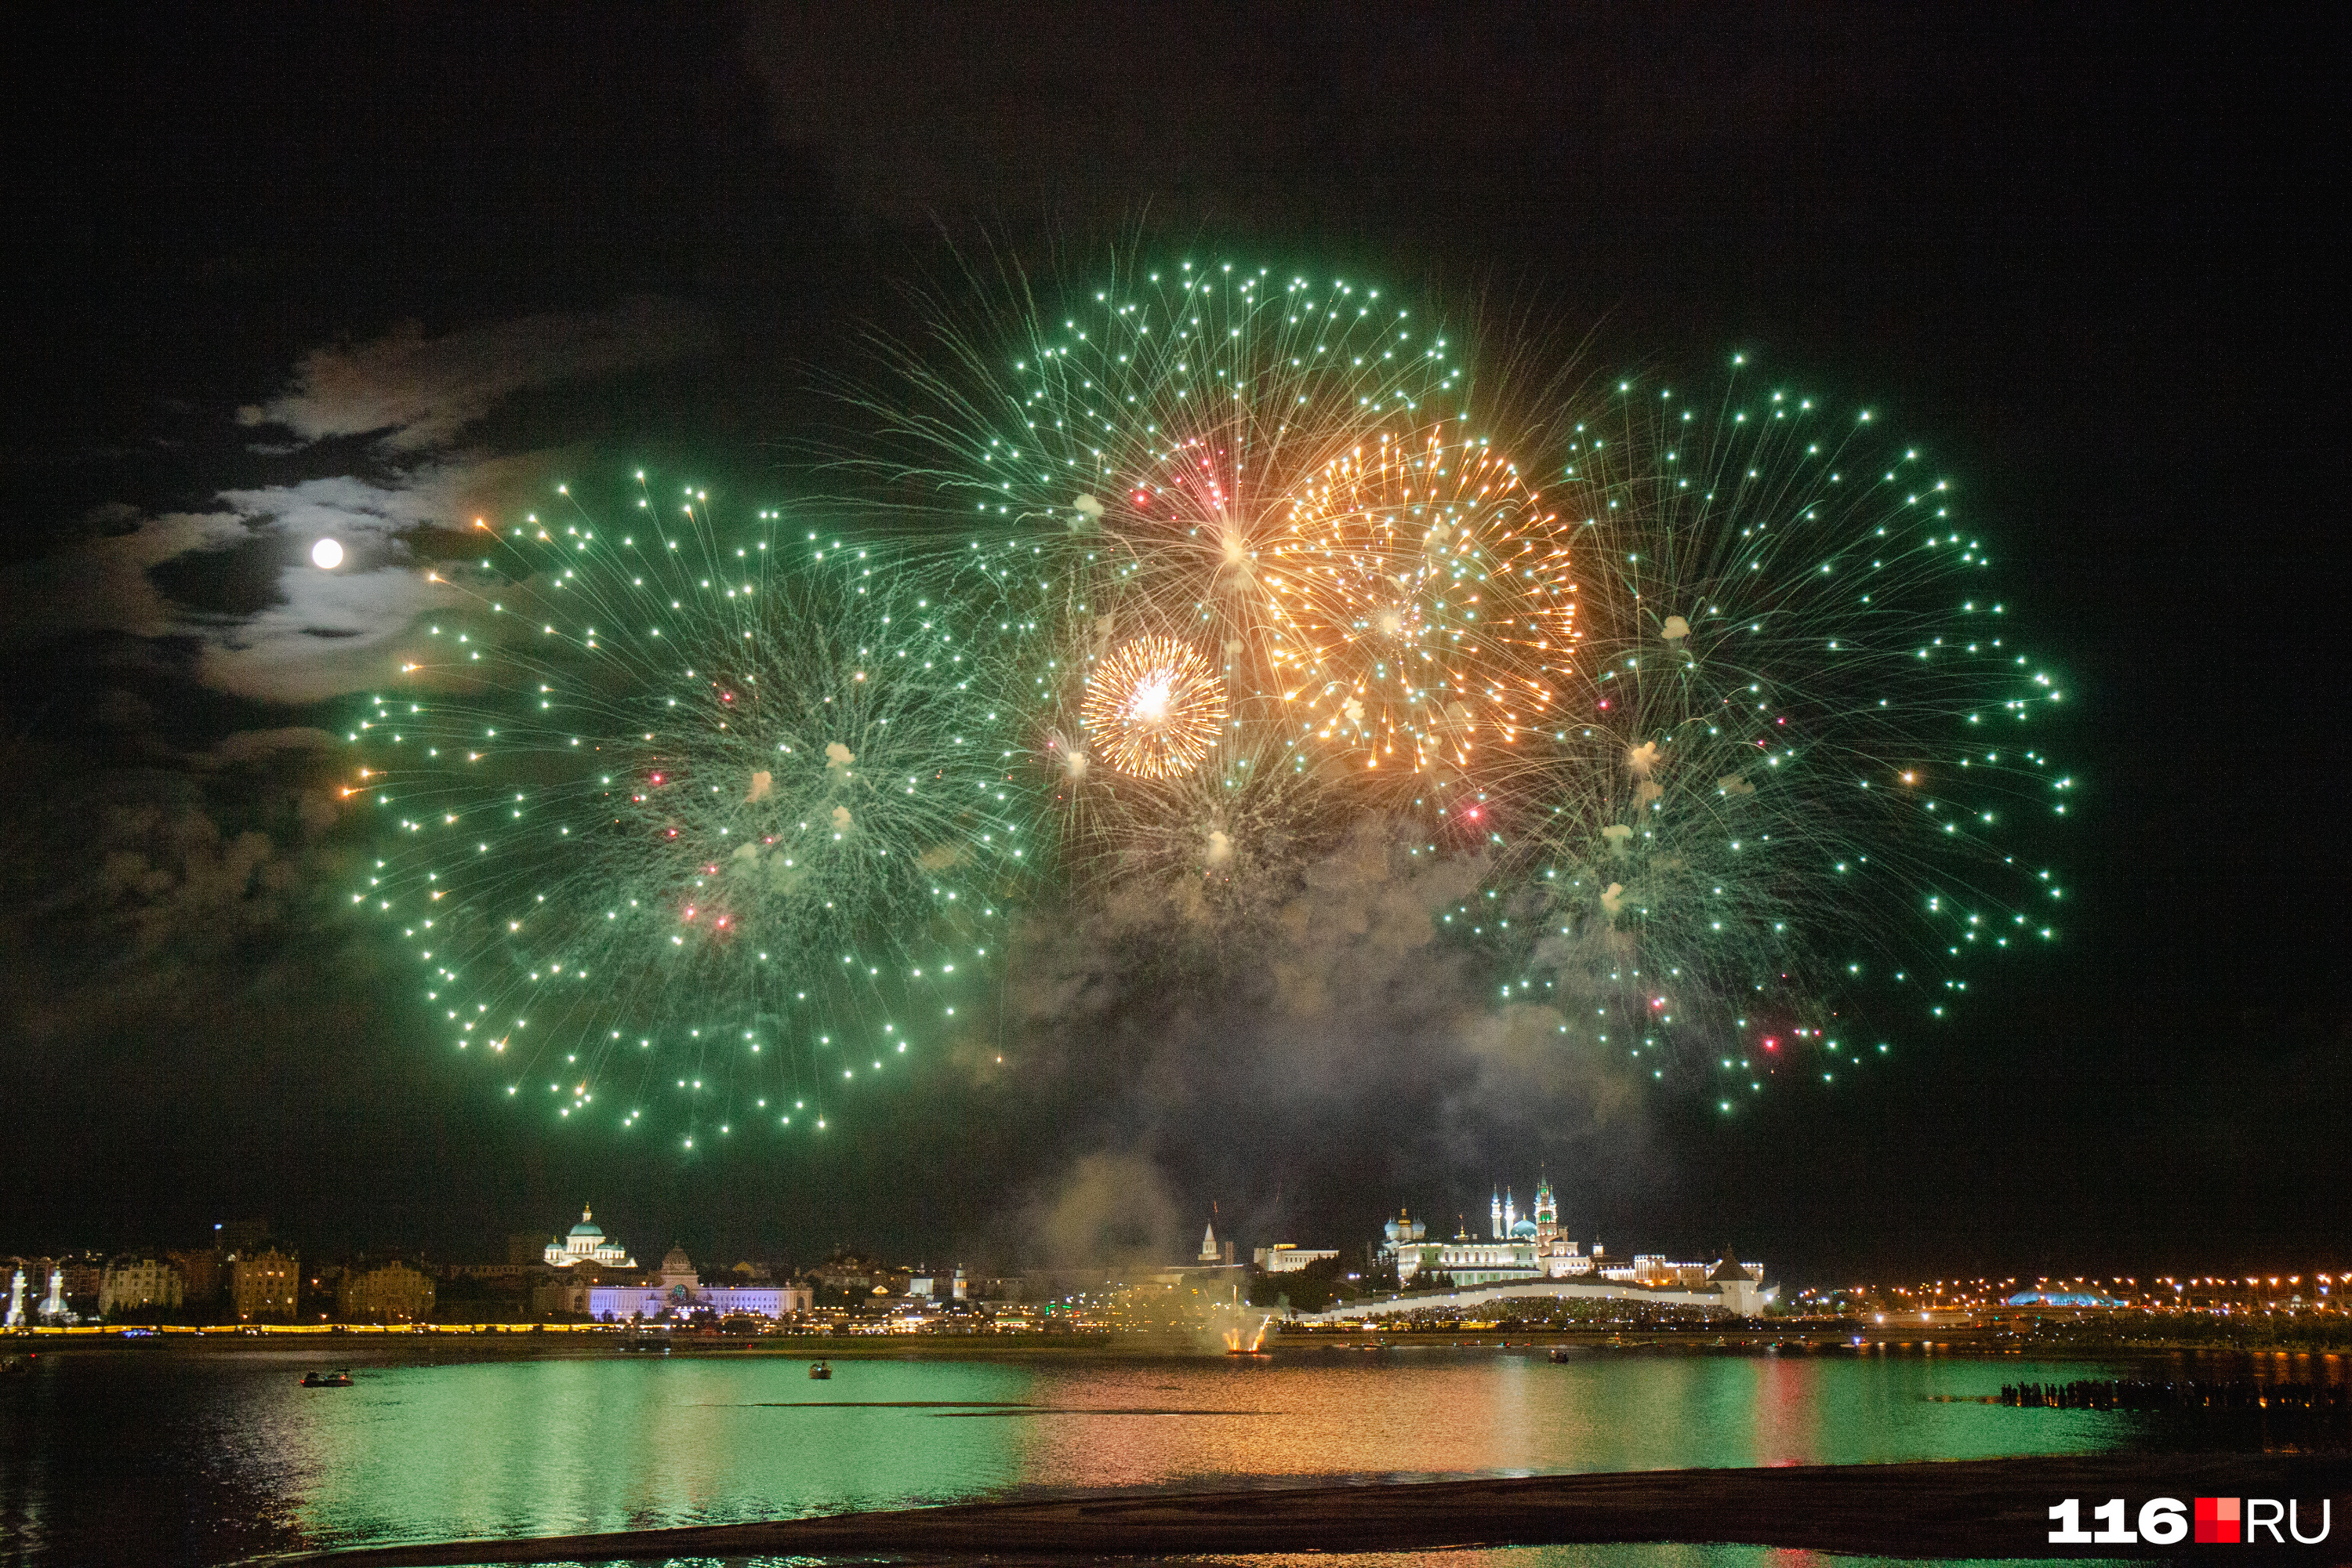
1955	1509
364	1342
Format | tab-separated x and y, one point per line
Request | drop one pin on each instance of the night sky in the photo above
267	267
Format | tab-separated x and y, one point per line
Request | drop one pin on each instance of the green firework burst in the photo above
694	824
1799	756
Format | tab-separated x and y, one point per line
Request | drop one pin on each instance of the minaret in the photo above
1498	1213
55	1307
16	1299
1510	1213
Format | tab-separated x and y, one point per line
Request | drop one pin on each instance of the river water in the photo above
203	1456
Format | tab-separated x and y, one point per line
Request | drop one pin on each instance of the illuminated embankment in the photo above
1711	1299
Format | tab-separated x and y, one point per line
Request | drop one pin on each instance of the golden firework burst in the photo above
1154	707
1423	601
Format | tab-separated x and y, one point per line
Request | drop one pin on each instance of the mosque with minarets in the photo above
1532	1249
1517	1247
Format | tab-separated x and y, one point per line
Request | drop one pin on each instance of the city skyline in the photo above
1398	1248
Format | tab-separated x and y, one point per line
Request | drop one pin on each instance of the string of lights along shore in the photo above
700	821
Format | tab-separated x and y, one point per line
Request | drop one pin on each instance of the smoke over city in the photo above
1194	1043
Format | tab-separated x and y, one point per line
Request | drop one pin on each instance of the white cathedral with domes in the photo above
586	1244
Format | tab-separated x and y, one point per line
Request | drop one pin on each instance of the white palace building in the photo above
609	1287
676	1288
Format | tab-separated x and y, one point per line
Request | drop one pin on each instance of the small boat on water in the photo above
1559	1353
327	1379
819	1370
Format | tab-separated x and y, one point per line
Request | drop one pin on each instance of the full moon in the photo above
327	554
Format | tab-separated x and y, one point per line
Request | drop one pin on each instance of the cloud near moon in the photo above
415	394
326	566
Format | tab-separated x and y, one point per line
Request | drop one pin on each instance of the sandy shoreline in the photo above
1982	1508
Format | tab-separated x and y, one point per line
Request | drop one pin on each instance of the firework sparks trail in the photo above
1220	835
709	821
1183	454
1792	754
1720	700
1161	429
1424	606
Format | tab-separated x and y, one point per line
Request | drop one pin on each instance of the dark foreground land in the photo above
1978	1509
